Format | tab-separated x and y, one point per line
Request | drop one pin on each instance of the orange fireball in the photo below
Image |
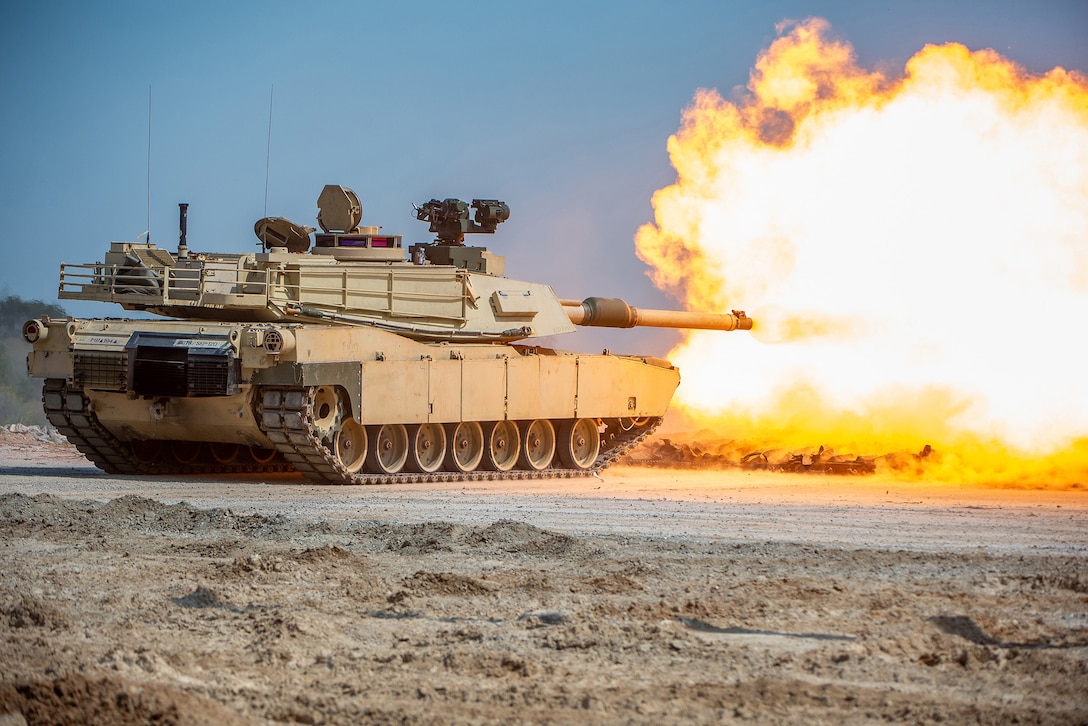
914	251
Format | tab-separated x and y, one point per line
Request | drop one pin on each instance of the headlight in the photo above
35	330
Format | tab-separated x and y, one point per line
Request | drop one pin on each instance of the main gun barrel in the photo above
611	312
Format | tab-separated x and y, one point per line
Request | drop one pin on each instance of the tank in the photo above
345	356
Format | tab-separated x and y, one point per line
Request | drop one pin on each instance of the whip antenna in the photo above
268	151
148	162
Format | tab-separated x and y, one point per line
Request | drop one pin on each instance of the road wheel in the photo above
426	447
388	449
579	443
261	455
503	446
185	452
466	446
349	443
146	451
224	453
537	445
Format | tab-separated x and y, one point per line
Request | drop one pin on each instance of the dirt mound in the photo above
445	583
149	515
136	513
521	538
200	598
27	611
43	509
324	554
613	583
502	537
416	539
75	700
293	560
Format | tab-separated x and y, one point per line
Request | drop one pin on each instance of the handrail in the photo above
379	292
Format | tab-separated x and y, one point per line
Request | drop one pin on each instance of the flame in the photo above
914	252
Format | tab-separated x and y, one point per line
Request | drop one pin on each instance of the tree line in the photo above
20	395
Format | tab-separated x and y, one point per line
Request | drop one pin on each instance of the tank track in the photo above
285	414
72	414
69	411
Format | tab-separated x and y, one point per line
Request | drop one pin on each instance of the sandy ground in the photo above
646	596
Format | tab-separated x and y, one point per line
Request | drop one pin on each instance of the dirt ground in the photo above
646	596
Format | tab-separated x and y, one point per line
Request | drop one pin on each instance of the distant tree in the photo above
20	395
14	311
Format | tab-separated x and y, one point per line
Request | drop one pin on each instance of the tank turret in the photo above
346	357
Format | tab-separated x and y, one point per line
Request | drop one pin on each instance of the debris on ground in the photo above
46	435
705	452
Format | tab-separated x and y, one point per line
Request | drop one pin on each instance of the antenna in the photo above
148	162
268	151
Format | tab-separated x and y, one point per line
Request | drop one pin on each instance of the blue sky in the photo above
560	108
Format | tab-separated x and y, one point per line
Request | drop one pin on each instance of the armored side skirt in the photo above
191	381
524	387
